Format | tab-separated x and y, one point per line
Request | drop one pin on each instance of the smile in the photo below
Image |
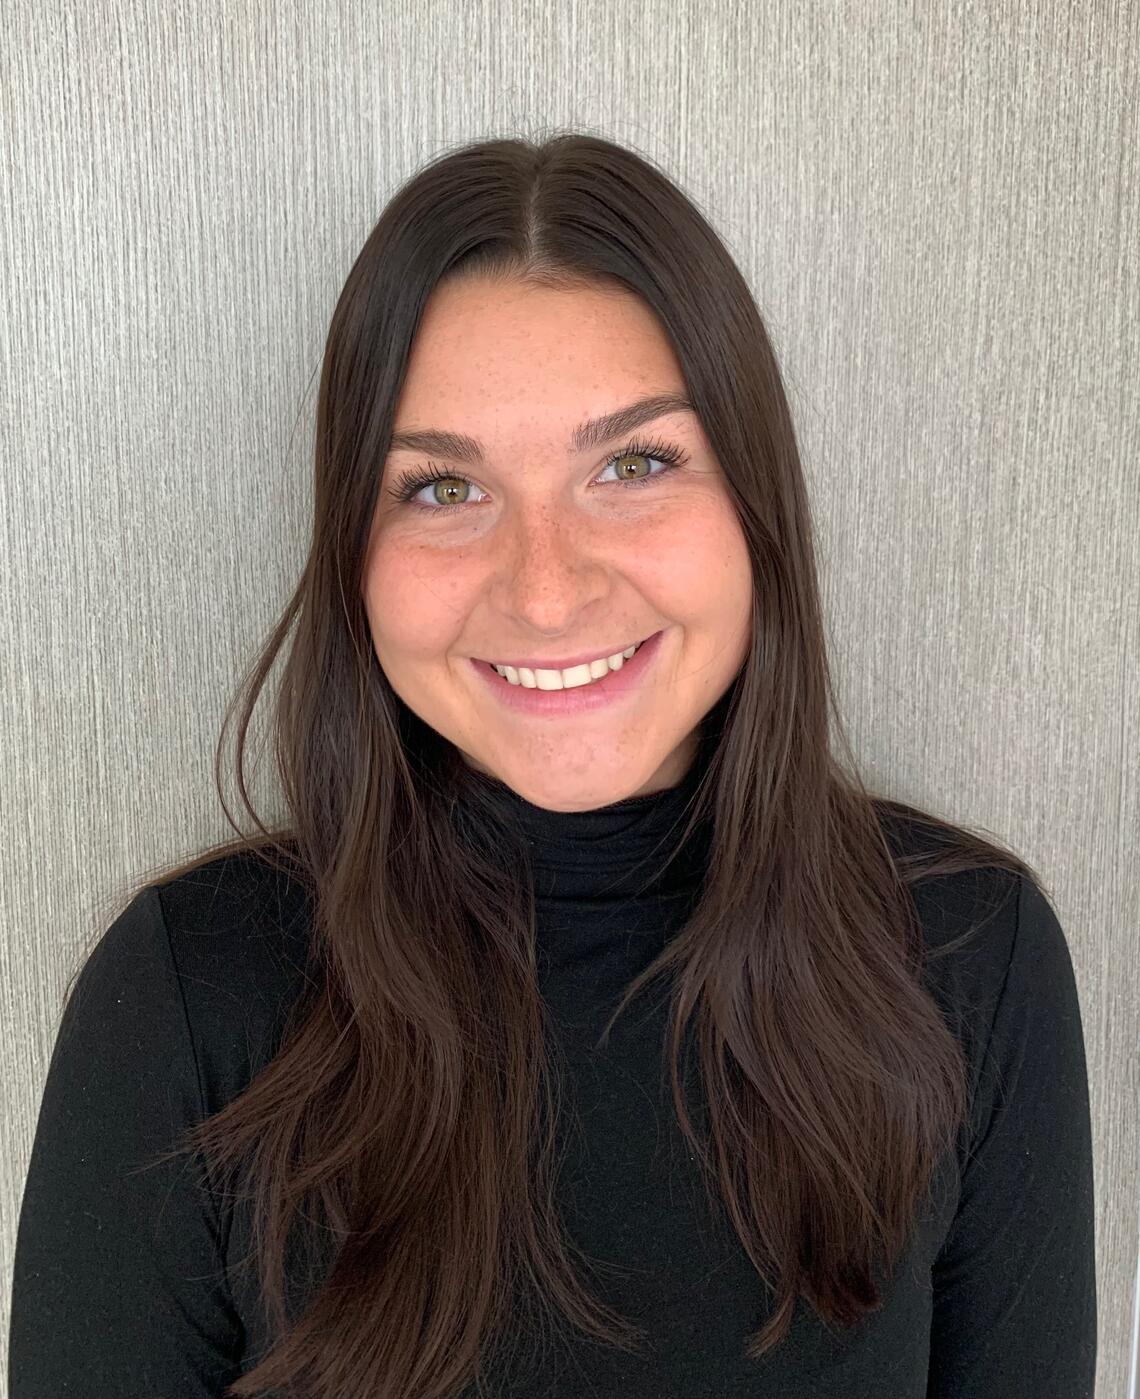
578	691
587	673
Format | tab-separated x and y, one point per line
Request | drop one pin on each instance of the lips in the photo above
560	703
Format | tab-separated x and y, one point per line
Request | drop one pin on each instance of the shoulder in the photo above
240	917
995	957
981	917
948	903
237	934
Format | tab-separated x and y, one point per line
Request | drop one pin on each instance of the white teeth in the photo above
566	679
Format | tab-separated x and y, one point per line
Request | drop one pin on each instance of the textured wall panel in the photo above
939	212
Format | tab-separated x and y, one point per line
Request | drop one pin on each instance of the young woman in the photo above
587	1028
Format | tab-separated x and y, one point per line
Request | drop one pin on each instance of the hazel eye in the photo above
452	485
625	459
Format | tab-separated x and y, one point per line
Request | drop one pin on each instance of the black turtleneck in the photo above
127	1284
627	862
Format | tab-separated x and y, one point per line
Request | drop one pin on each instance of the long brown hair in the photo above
409	1109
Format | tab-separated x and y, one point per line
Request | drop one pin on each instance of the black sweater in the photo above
125	1284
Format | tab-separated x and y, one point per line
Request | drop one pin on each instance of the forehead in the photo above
513	346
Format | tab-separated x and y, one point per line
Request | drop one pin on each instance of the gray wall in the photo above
940	214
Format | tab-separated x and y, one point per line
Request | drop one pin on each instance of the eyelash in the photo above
409	486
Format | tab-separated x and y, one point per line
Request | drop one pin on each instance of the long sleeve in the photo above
119	1288
1015	1307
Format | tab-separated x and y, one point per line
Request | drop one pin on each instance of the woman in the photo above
587	1028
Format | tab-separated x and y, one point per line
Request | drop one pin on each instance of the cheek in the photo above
699	560
416	600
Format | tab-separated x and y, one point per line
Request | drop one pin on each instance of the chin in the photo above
586	794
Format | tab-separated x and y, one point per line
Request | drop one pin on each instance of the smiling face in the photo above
533	544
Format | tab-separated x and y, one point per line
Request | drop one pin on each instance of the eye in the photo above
626	461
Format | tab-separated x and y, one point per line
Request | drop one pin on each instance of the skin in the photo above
549	552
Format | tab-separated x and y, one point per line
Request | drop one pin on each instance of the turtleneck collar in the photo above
608	852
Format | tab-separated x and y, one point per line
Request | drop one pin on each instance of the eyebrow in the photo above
593	432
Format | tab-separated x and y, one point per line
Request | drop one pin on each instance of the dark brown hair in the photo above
409	1109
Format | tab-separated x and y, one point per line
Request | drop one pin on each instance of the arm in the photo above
1015	1309
119	1288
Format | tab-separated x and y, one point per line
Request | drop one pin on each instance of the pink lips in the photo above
598	694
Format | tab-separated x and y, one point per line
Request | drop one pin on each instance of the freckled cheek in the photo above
700	562
416	603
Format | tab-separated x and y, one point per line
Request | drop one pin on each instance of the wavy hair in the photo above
405	1122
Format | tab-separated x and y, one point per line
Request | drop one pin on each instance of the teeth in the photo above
583	674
